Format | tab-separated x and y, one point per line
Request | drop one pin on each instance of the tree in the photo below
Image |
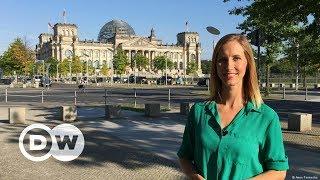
160	63
192	67
53	66
141	61
18	57
104	70
64	67
120	61
206	66
76	65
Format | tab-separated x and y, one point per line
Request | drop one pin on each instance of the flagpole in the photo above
187	26
64	16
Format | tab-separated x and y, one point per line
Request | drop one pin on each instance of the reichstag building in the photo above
65	43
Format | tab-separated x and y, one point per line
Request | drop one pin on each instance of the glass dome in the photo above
108	30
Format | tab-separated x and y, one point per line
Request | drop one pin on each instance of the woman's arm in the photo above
271	174
187	169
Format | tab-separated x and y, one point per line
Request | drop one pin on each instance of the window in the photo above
181	65
193	57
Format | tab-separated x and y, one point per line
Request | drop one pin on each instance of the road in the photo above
64	94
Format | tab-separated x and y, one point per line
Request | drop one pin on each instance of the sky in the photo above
28	18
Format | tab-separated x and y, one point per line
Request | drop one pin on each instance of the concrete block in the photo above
112	111
185	108
17	115
300	121
36	85
24	85
272	85
152	109
68	113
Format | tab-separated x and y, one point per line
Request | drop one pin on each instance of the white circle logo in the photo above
67	142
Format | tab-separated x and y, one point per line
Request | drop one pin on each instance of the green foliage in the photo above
141	61
192	67
120	61
160	63
76	65
104	70
63	67
206	66
53	66
91	69
18	57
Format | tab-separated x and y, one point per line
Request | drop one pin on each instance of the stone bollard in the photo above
300	121
263	85
292	85
68	113
112	111
17	115
36	85
185	108
24	85
152	110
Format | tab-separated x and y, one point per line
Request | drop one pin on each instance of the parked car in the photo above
116	79
162	80
139	79
27	80
6	81
203	82
37	78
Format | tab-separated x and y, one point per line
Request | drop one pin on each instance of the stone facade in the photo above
64	43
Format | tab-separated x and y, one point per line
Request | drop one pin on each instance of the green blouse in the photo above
251	144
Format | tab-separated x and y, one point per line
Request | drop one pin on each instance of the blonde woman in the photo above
234	135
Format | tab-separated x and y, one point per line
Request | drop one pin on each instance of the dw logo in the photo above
67	142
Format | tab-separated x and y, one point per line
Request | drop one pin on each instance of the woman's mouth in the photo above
231	75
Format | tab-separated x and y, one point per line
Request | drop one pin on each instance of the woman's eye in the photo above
236	58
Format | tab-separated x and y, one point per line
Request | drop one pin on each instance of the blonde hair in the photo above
250	80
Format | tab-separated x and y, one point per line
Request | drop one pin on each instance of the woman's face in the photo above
231	64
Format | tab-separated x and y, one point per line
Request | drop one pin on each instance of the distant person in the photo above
233	135
81	86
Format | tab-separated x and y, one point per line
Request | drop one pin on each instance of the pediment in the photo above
141	42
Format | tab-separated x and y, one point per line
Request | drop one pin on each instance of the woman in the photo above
233	135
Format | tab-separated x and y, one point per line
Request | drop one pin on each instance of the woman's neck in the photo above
232	96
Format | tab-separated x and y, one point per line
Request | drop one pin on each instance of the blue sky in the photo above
29	18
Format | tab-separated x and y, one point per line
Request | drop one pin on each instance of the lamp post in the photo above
57	71
166	54
111	67
213	31
297	65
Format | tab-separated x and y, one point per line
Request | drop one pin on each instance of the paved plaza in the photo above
131	147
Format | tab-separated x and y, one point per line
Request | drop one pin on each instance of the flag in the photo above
64	13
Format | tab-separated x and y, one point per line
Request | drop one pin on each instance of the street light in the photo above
213	31
166	54
113	52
